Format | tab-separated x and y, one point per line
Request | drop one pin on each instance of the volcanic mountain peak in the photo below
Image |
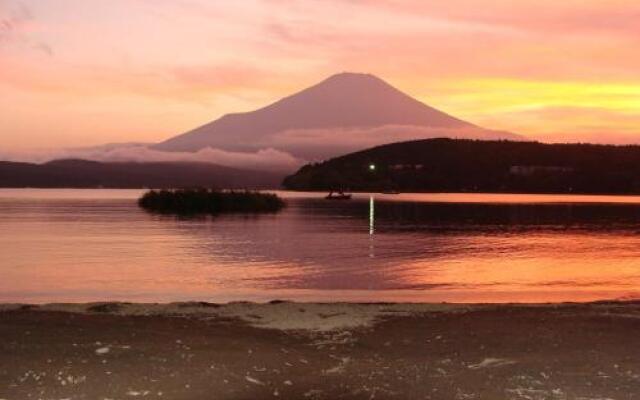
316	121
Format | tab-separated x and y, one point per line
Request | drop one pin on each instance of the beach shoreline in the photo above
288	350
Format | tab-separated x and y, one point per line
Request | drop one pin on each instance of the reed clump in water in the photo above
209	201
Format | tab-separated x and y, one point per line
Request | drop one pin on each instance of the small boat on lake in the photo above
338	196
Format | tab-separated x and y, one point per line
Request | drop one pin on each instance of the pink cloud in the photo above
263	159
319	144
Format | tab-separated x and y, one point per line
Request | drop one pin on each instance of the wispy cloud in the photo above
13	17
263	159
43	47
17	23
320	144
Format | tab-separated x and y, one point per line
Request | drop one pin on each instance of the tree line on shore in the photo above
450	165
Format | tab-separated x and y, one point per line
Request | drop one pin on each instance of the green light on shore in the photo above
372	167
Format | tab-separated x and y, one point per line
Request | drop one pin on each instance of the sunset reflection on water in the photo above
91	245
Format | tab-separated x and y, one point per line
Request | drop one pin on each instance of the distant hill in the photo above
343	113
446	165
91	174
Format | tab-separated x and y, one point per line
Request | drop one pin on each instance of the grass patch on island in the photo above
209	201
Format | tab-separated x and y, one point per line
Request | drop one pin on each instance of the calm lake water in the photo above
93	245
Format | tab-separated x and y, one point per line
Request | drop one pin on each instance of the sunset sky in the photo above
86	72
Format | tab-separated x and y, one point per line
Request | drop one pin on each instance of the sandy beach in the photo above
320	351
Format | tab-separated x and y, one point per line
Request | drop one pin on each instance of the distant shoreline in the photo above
320	191
460	165
324	192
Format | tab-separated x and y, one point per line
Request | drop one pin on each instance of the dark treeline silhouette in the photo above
449	165
92	174
208	201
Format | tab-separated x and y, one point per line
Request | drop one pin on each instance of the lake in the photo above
96	245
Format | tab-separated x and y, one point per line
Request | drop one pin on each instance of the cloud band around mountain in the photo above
263	159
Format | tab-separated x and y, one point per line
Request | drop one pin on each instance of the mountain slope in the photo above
446	165
341	109
82	173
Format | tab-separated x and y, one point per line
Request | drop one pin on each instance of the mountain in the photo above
343	113
82	173
447	165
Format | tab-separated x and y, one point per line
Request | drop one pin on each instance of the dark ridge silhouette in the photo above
447	165
207	201
92	174
346	100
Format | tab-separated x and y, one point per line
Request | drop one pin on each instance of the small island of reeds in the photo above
209	201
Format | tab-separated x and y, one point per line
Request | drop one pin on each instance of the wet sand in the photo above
320	351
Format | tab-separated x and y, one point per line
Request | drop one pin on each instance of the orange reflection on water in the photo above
94	246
